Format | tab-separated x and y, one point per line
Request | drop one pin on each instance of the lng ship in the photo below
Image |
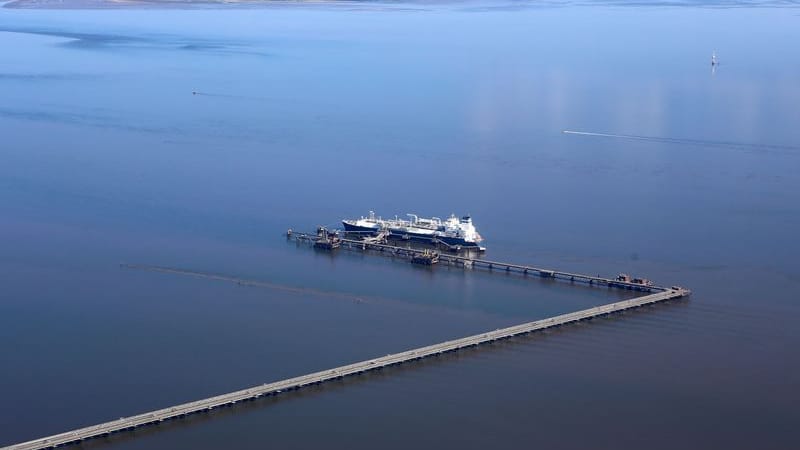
452	231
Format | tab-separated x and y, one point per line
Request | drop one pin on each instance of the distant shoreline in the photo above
167	4
219	4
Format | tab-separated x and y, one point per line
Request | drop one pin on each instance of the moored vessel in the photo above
453	231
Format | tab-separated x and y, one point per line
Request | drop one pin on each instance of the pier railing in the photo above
337	373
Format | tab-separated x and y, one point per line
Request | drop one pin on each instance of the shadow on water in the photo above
75	118
102	41
232	96
80	39
338	295
34	77
363	298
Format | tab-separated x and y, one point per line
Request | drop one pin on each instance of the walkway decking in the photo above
291	384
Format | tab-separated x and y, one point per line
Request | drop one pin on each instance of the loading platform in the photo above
414	254
654	294
427	258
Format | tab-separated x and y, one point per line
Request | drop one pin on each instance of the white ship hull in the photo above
453	231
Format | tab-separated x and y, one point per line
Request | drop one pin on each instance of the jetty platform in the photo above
468	261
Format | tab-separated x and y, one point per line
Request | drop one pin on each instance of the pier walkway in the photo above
291	384
468	261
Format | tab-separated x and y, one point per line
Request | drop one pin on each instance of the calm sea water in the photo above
306	115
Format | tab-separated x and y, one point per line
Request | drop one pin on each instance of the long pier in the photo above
337	373
654	294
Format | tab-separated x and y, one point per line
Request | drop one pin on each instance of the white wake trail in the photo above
786	149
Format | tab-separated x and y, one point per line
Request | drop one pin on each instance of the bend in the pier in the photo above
275	388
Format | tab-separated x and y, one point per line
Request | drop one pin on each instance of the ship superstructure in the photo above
453	231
